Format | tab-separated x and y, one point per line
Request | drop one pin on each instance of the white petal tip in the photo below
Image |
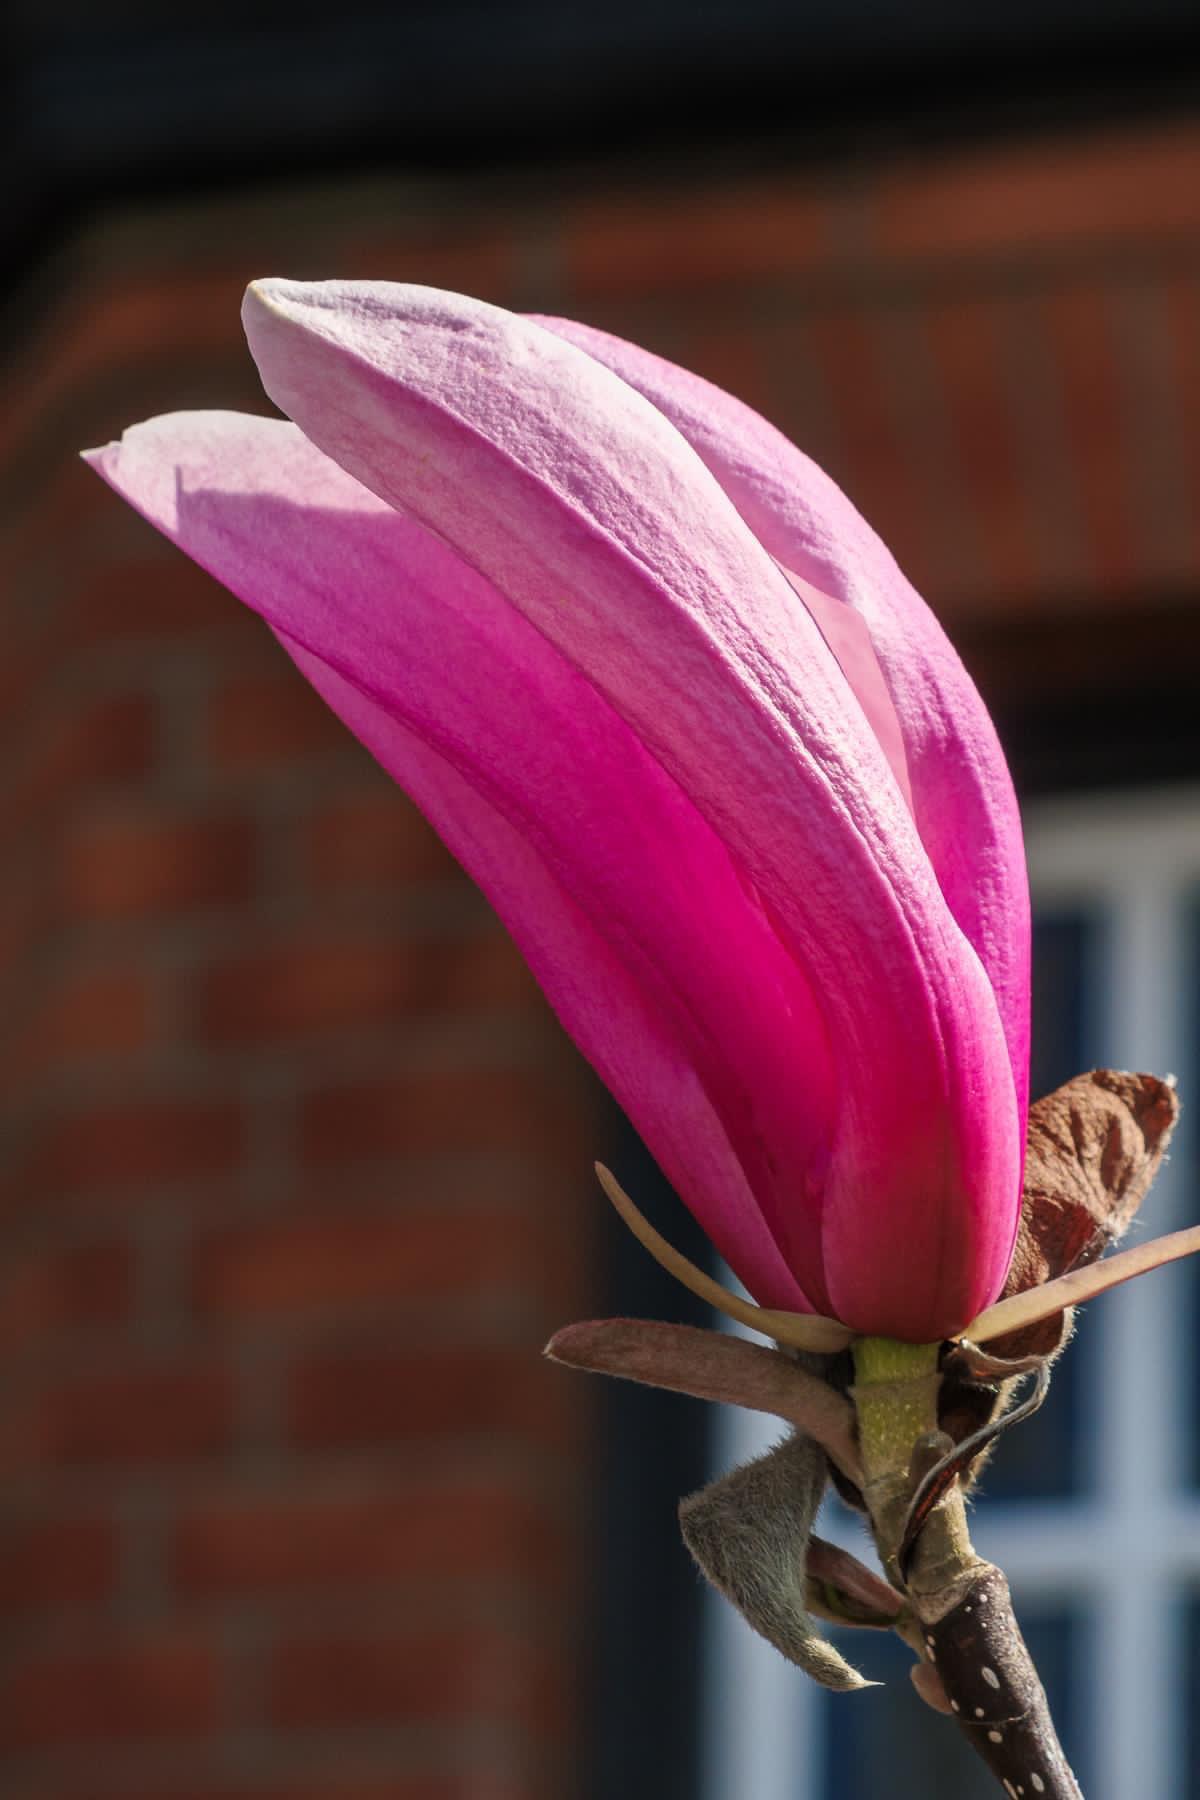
105	459
270	294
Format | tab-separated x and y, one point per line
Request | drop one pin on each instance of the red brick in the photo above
437	1109
963	336
686	240
336	1263
26	680
372	840
34	534
155	1414
1181	294
134	1144
187	312
50	1565
468	262
158	1687
433	1534
878	470
462	1676
271	719
56	1292
102	742
356	1398
1038	196
139	867
94	1013
1098	431
733	354
155	598
22	918
322	983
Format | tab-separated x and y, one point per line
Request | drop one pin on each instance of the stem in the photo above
895	1392
895	1396
963	1626
994	1691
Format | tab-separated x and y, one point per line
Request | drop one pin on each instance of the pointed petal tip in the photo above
272	297
264	288
103	458
99	460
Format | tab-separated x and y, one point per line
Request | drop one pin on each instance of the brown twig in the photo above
993	1690
959	1618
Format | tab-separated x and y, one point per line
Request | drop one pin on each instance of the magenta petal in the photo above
621	1036
962	794
603	528
656	956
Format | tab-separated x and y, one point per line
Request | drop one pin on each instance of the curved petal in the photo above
586	508
607	877
962	795
599	1005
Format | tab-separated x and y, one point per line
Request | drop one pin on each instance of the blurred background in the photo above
296	1165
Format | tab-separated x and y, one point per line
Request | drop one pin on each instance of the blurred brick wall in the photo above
295	1185
294	1178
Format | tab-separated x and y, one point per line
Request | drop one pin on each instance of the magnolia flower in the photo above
673	705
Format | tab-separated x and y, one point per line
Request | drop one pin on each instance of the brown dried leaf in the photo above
1094	1147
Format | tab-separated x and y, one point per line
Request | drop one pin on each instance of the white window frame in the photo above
1126	1550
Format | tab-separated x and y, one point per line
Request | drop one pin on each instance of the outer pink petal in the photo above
622	1037
622	897
962	795
599	523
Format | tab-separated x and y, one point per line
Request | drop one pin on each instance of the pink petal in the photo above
622	1036
595	519
962	795
656	956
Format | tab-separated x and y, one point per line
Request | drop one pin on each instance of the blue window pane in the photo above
1064	957
1040	1459
651	1447
888	1742
1189	1364
1191	1694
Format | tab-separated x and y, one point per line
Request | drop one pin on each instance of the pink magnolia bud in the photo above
673	705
